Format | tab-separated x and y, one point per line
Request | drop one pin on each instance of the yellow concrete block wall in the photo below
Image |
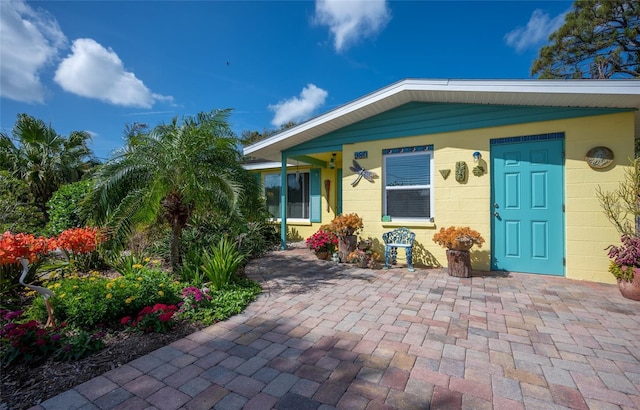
587	232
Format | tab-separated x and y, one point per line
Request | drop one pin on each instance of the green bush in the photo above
86	302
64	207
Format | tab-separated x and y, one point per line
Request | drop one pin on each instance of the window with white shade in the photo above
408	183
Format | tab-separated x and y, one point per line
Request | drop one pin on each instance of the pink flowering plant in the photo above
157	318
196	305
625	259
322	241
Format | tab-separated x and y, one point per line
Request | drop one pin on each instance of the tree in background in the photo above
251	137
599	39
43	159
169	173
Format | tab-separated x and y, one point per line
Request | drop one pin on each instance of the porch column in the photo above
283	202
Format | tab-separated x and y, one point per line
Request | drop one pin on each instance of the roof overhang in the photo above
623	94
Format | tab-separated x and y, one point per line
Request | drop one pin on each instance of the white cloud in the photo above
298	108
537	31
352	21
96	72
29	40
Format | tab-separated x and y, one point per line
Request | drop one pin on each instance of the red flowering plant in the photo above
30	342
322	241
157	318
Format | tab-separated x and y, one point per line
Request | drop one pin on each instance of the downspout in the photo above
283	202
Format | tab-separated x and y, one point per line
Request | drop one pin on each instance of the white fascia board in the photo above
263	165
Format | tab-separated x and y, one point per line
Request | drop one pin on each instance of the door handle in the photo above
495	205
496	214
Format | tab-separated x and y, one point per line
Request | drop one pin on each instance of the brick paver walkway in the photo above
324	336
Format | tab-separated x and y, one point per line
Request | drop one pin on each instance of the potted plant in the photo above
622	209
345	226
625	266
364	256
322	243
458	240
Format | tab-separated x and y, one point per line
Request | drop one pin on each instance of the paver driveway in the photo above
324	336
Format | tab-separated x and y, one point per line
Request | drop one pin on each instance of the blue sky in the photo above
98	65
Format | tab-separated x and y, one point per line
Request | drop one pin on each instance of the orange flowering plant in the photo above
22	245
345	225
458	238
78	240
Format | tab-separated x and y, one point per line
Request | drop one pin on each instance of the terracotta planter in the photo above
322	255
630	290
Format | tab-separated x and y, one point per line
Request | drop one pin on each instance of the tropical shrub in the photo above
221	262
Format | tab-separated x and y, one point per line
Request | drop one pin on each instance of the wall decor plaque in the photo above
599	157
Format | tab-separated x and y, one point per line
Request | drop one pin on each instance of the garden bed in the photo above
26	385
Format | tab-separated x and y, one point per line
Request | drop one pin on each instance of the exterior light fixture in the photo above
332	162
476	156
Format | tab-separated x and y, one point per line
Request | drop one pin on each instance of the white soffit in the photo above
549	93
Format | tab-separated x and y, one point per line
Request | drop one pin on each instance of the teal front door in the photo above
527	204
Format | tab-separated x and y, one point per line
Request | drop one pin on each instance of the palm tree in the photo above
170	172
44	159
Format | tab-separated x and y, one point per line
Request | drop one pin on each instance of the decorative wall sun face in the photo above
362	173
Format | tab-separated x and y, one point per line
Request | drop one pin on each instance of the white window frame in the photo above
430	187
308	194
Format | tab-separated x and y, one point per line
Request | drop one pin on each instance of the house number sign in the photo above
361	155
599	157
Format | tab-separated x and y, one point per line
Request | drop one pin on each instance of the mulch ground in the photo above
26	385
